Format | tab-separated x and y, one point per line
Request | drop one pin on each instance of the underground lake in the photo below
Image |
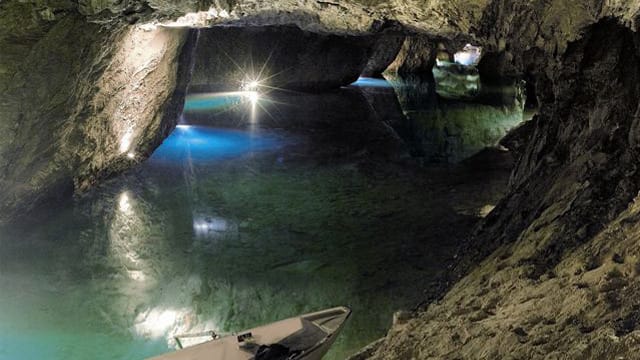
254	210
319	179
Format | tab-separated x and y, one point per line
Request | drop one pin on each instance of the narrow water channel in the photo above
258	209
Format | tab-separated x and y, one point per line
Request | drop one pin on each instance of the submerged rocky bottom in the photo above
228	228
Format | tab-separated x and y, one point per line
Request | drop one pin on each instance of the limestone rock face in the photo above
283	57
384	53
417	55
82	101
389	42
550	271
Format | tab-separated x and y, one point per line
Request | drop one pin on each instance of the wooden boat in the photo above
305	337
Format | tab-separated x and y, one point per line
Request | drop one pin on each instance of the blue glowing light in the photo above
214	101
201	144
371	82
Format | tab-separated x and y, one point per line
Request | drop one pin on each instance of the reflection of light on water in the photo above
123	203
456	81
201	144
210	226
158	322
220	100
136	275
371	82
173	313
124	237
212	101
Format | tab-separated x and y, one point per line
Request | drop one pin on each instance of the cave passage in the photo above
254	210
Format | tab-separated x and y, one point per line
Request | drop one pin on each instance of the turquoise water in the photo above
207	145
252	212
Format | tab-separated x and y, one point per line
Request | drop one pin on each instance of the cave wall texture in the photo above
550	273
81	100
281	57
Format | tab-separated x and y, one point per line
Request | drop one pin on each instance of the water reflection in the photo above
228	226
205	144
450	130
365	82
455	81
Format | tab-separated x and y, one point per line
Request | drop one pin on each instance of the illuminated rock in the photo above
82	101
468	56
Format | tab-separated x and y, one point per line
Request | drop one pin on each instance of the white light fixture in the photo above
125	141
123	203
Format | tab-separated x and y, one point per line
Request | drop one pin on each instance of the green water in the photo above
255	214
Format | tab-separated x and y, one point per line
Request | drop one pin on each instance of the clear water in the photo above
253	212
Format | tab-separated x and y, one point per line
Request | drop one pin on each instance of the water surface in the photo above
254	211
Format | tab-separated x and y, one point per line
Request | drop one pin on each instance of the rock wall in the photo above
390	38
552	271
82	101
278	57
417	55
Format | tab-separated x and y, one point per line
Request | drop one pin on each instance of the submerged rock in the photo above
281	57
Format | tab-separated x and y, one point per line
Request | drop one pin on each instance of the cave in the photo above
348	179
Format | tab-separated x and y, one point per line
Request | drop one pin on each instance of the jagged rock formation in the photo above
557	258
278	57
417	55
390	39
